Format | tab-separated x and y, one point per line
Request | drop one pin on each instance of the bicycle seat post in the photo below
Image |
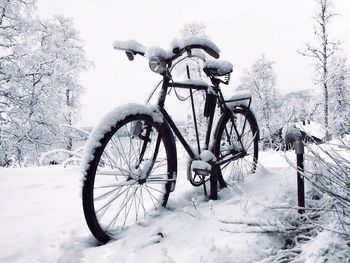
194	112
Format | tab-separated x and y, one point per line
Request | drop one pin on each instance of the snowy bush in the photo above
61	156
323	233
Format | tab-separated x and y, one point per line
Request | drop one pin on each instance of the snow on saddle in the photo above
217	67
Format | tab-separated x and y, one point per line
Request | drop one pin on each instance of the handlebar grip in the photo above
176	50
130	55
212	52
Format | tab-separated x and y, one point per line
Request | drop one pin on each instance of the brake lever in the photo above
130	55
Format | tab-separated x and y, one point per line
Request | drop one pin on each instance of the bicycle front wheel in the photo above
236	145
130	176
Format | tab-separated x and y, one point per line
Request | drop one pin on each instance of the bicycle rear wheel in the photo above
129	177
241	142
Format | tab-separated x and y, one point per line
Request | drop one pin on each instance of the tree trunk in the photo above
69	120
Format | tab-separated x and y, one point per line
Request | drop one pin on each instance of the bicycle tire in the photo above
236	169
119	150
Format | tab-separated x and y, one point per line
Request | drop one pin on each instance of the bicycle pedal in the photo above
201	167
201	172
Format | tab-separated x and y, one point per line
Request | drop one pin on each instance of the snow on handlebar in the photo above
178	47
130	45
181	45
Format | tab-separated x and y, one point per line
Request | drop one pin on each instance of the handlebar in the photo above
187	44
131	48
209	50
179	47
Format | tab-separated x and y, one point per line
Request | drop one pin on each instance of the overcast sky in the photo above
243	30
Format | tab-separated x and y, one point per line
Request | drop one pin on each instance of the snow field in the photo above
42	219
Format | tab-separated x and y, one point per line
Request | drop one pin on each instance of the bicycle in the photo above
130	163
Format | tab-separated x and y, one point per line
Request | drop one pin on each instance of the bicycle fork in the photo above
138	131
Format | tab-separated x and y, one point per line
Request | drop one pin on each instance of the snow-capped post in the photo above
292	135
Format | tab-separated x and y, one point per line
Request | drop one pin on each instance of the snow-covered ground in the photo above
42	219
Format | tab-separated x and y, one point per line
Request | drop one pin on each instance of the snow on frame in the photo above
241	94
195	82
207	156
109	121
239	97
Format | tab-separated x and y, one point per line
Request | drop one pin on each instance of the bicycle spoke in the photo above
140	203
114	198
237	139
127	183
126	175
155	189
127	211
124	203
137	155
152	197
128	180
115	164
105	194
121	151
143	204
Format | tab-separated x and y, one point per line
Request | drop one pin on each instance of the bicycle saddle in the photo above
217	68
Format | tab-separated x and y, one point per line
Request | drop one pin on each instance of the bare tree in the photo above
323	50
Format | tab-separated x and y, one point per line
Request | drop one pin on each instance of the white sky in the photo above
243	30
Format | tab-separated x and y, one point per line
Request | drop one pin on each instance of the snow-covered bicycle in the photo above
130	162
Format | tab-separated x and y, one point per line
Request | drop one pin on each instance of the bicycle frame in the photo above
124	153
222	104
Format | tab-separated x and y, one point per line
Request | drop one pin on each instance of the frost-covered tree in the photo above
40	88
339	95
65	59
323	50
260	79
13	23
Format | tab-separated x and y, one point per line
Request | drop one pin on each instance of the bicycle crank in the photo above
198	173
